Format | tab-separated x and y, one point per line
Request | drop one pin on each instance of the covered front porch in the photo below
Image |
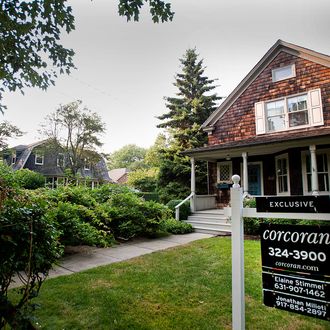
298	166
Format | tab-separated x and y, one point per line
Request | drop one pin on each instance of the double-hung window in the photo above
323	171
282	175
290	112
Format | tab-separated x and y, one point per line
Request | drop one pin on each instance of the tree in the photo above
130	156
30	52
8	130
187	112
75	132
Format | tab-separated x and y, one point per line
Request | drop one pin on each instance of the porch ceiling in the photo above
256	146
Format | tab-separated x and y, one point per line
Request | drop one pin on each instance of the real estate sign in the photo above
295	268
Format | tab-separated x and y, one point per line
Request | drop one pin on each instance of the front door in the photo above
254	177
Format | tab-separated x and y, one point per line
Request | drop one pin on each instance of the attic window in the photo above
284	72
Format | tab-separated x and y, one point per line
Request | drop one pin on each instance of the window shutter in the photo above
260	117
316	114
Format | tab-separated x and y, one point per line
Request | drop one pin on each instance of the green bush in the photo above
149	196
28	248
184	208
103	193
29	180
177	227
78	225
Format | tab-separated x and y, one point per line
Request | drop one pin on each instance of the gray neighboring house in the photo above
37	158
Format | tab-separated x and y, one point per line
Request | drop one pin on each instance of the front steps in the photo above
210	222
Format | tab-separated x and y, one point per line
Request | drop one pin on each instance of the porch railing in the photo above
197	203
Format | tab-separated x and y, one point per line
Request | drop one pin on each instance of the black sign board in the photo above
295	264
300	305
296	248
294	204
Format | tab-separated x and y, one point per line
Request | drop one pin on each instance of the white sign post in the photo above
237	250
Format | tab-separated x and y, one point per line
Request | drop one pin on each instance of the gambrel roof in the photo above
279	46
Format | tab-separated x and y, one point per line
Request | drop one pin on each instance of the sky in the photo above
125	69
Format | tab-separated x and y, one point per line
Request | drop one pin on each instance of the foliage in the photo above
103	193
159	10
30	52
75	132
7	130
77	225
132	216
187	112
28	179
129	156
177	227
153	155
144	179
184	208
28	249
8	183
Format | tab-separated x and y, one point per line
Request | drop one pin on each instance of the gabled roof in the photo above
27	149
279	46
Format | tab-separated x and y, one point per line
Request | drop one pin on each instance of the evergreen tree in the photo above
193	104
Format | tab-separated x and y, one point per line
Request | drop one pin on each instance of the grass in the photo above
188	287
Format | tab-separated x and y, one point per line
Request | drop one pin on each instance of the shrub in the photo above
8	183
184	208
132	216
28	249
77	225
29	180
103	193
177	227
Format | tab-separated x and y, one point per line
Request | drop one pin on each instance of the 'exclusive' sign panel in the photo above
294	204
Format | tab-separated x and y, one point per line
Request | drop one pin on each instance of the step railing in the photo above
177	207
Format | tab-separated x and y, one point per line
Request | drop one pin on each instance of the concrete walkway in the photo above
89	257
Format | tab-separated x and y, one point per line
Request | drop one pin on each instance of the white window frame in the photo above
13	158
314	108
292	68
230	171
304	170
36	159
285	193
59	160
87	165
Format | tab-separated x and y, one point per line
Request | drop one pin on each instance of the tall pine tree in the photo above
193	104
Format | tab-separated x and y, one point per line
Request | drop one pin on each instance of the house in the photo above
42	158
119	175
273	130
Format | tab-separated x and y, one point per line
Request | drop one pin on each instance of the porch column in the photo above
245	175
315	179
192	184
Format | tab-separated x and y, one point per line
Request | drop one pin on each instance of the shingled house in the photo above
39	158
273	130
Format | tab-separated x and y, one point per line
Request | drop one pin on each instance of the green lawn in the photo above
188	287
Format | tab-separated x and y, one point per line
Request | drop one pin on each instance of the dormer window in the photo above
87	166
283	73
60	160
39	159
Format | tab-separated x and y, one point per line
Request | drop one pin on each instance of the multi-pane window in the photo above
224	172
298	110
275	115
323	174
290	112
286	113
282	175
